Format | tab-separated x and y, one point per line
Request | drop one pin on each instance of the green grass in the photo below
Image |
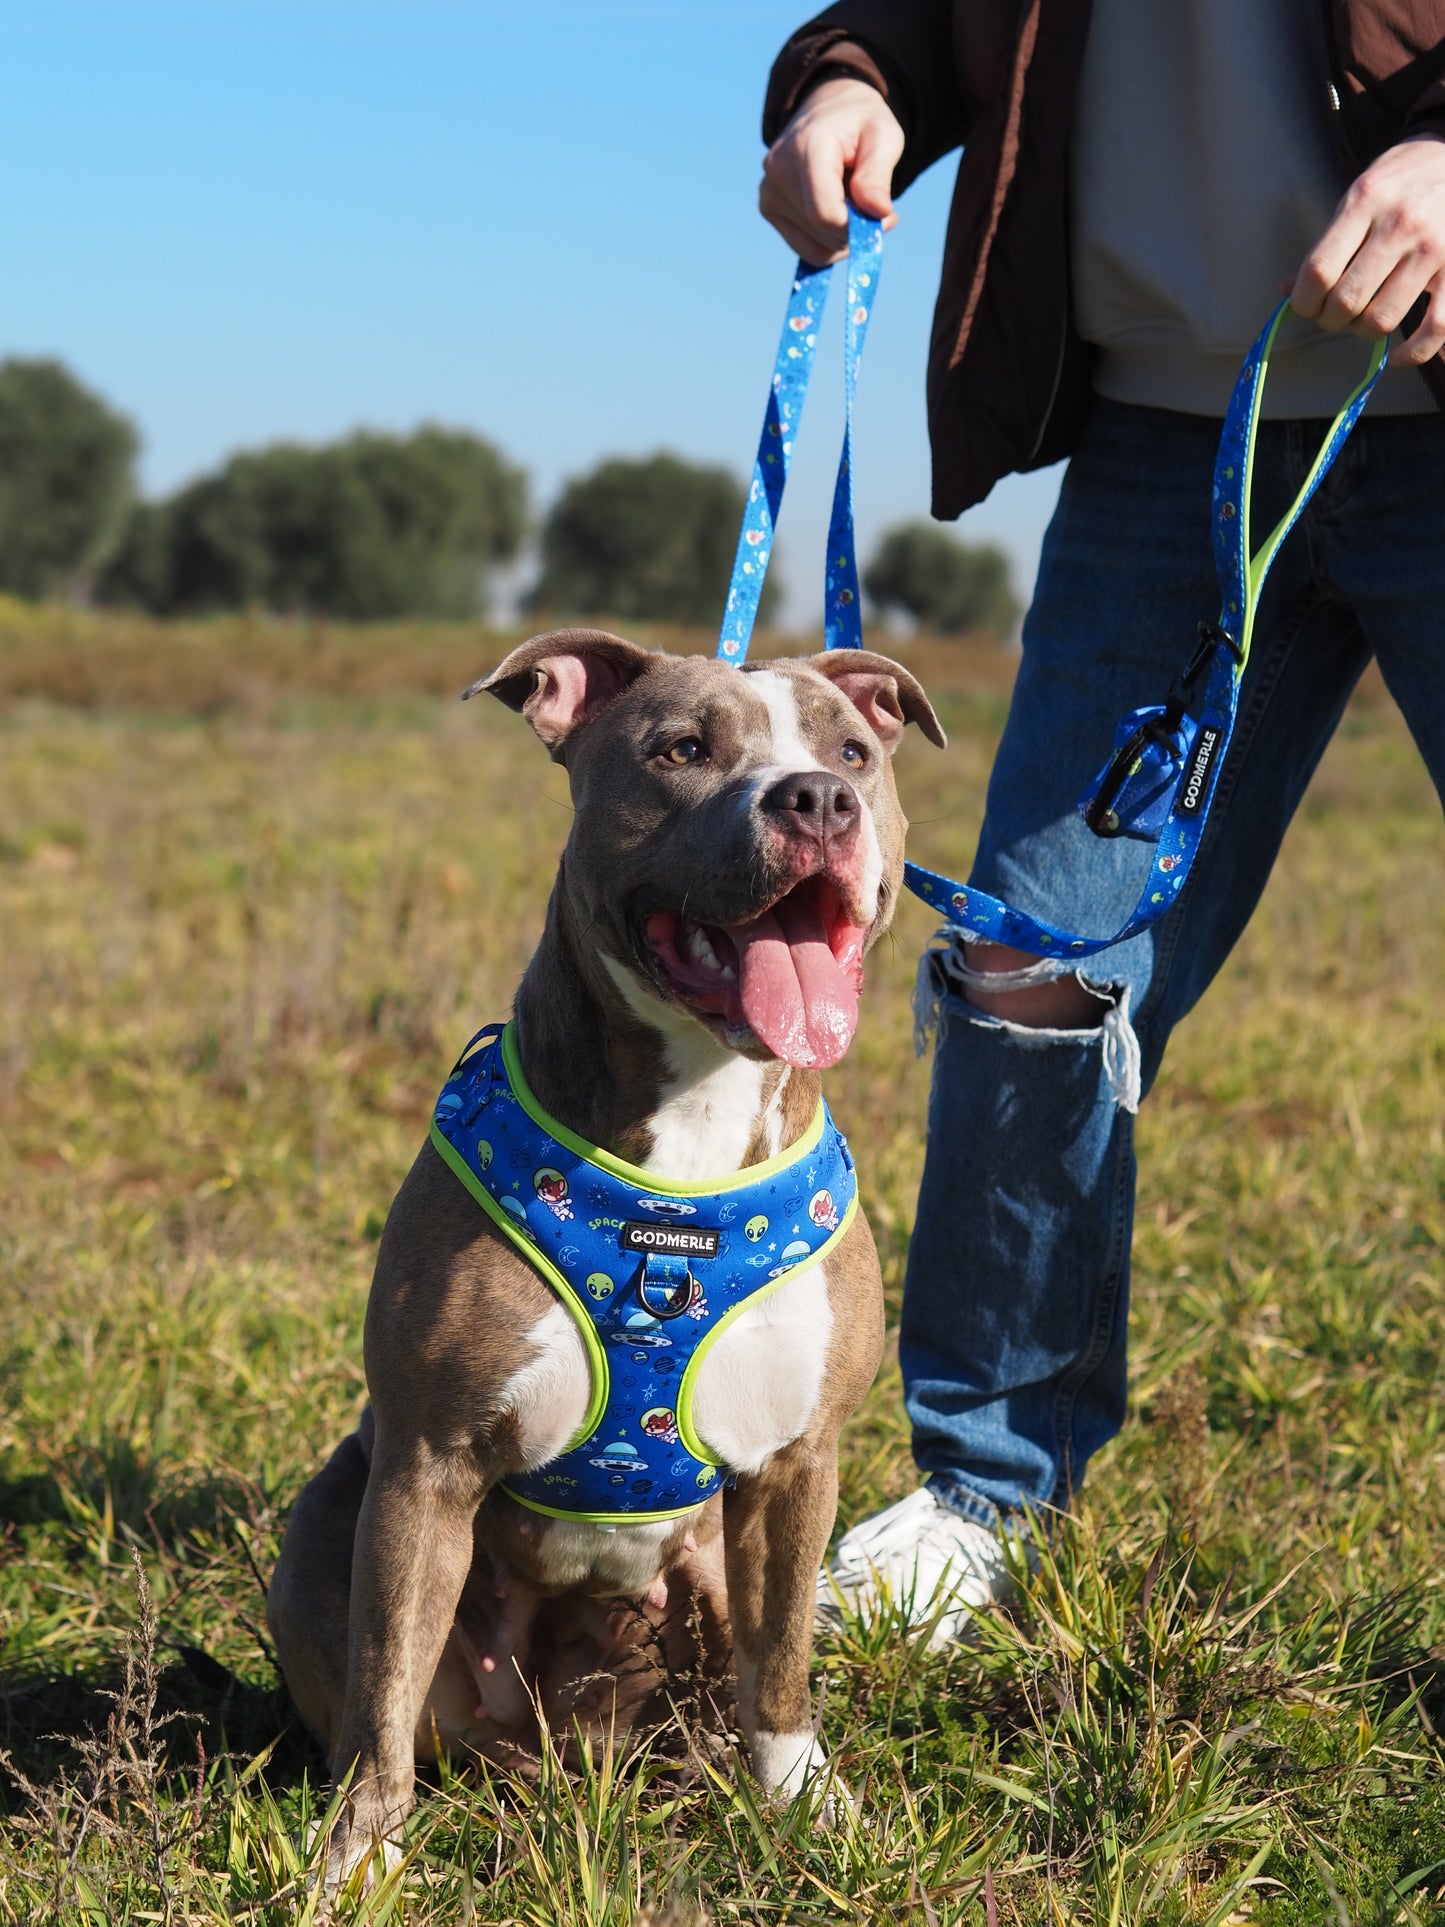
257	885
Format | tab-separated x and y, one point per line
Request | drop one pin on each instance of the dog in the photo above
736	848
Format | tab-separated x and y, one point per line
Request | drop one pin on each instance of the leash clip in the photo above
1181	691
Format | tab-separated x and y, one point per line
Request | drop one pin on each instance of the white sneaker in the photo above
923	1560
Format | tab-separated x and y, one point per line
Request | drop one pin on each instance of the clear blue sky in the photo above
247	219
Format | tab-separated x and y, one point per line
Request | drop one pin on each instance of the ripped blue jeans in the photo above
1016	1299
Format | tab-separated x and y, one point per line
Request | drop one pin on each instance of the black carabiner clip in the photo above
1181	690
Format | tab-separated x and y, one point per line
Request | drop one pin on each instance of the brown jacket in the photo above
1007	375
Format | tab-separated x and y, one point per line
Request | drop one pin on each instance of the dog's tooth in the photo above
701	949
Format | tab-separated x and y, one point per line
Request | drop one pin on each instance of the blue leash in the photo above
843	617
1161	778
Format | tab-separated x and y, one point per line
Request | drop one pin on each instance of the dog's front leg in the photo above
410	1560
776	1524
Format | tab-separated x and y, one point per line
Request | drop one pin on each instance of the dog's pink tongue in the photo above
797	998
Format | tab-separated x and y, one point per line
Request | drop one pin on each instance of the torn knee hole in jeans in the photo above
944	969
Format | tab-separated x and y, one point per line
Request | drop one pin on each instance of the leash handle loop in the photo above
792	367
842	609
1241	575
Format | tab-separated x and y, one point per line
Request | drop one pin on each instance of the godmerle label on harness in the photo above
670	1240
1196	787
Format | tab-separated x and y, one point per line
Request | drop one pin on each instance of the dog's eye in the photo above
687	749
854	755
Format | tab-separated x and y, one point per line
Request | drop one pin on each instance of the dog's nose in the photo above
815	802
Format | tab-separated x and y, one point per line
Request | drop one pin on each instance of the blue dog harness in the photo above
653	1273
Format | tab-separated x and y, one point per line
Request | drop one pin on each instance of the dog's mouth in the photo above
791	975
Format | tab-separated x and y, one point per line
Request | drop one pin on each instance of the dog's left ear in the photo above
561	680
883	692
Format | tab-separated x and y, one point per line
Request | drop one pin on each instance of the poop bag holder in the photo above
1134	792
1157	785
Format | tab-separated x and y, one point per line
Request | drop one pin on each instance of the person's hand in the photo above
843	136
1383	249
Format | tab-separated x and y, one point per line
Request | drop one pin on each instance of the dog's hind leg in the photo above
776	1524
308	1605
309	1596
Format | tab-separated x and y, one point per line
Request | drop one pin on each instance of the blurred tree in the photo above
65	478
370	527
138	574
651	540
942	582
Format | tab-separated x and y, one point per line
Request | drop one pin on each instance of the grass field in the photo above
257	886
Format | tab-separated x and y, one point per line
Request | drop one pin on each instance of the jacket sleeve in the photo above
1427	116
904	48
1387	72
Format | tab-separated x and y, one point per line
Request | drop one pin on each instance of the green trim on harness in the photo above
635	1173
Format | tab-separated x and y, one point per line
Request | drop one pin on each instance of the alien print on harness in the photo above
650	1271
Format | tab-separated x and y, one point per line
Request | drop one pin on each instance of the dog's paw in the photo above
795	1766
837	1805
347	1849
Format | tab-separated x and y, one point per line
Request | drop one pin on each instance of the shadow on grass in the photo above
63	1531
112	1487
203	1711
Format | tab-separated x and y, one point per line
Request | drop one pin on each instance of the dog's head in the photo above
738	841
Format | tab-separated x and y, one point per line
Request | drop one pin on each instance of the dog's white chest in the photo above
757	1387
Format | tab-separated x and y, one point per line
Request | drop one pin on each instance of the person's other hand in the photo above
1383	249
844	136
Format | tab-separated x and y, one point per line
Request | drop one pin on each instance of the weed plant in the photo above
258	884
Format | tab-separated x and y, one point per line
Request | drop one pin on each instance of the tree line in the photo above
378	526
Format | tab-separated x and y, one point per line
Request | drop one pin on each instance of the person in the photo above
1138	185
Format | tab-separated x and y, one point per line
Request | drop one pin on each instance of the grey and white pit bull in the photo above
737	847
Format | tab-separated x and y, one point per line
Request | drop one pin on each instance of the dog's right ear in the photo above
561	680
